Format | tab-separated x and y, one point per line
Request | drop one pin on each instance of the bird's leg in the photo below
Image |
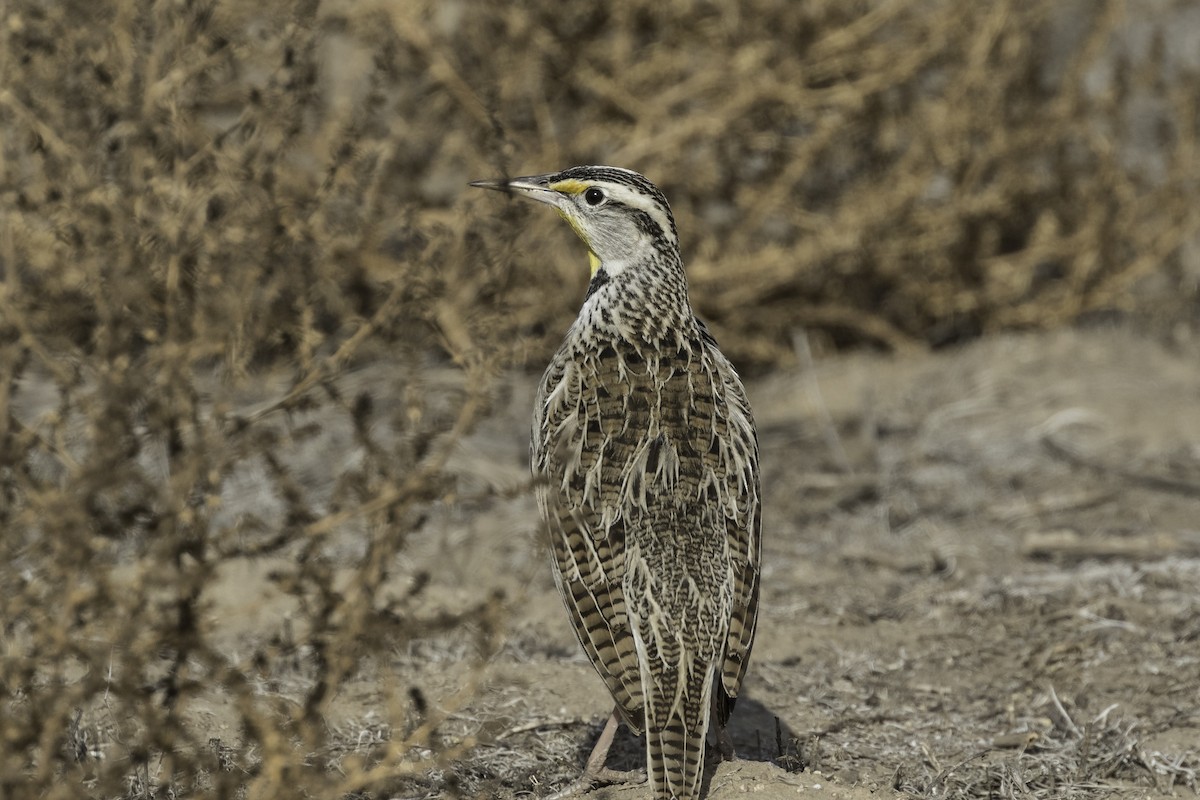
720	731
595	773
724	742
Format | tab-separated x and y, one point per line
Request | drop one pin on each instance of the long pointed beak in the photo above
535	187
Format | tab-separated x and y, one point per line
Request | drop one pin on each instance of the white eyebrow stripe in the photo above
635	199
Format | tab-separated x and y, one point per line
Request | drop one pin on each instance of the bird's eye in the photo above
593	196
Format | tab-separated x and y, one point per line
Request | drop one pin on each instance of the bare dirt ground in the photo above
980	580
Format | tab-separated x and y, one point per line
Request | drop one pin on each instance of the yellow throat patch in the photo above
593	259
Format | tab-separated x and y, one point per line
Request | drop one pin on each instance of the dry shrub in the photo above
211	212
900	174
200	248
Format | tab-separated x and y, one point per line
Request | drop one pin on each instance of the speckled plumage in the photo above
646	450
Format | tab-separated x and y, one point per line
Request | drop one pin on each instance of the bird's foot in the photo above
602	777
595	773
725	744
607	777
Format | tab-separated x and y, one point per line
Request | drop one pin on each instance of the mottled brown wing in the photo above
744	532
577	449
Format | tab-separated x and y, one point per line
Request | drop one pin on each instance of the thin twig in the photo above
1159	483
812	387
1063	717
540	724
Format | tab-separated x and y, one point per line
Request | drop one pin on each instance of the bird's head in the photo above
621	217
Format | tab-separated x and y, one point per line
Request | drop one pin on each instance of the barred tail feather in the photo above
675	746
676	758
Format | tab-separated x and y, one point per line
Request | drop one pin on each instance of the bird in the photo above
645	458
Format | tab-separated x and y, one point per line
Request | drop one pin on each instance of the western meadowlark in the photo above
647	459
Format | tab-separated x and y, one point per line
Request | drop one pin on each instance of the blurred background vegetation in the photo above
212	212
